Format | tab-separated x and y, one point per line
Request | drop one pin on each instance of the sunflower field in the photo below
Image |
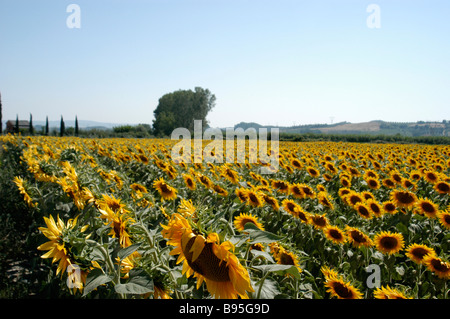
118	218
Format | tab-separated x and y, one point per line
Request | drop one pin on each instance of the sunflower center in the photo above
335	234
165	188
388	242
439	266
253	198
419	252
207	264
357	236
447	219
286	259
405	197
375	208
319	221
373	183
355	199
427	207
363	211
443	187
342	291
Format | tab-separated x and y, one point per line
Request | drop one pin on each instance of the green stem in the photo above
260	287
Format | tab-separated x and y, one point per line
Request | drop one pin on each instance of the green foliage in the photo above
181	108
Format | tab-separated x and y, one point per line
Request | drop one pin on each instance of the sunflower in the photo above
205	181
444	218
375	208
296	191
241	193
366	195
20	185
408	184
442	187
396	177
138	188
328	272
417	252
243	218
160	292
281	186
296	163
337	287
389	293
363	210
345	182
55	232
189	181
220	190
389	243
312	171
118	221
353	198
112	203
431	177
207	260
427	207
165	190
357	238
319	221
389	207
254	198
285	257
438	266
373	183
272	201
334	234
186	208
291	207
389	183
307	191
230	175
403	198
325	200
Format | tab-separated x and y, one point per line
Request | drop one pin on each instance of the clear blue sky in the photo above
272	62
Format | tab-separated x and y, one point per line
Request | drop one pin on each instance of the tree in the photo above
46	126
1	123
181	108
17	124
76	126
30	128
62	127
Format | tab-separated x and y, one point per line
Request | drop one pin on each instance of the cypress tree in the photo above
76	125
1	123
17	124
46	126
62	127
31	129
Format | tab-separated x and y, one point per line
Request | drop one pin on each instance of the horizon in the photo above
278	63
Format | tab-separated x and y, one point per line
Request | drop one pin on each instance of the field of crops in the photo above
120	218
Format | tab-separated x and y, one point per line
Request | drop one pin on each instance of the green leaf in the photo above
260	236
139	283
262	254
280	269
123	253
133	288
269	289
95	278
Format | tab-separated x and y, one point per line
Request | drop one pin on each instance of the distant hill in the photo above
377	127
